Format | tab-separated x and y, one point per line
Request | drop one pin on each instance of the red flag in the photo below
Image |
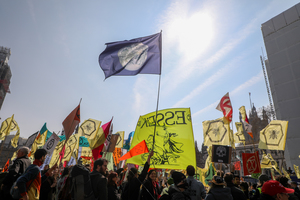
225	107
96	151
138	149
237	165
251	163
5	168
71	122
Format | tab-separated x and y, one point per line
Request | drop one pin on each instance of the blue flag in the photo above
136	56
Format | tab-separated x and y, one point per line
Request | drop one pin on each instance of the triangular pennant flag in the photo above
138	149
5	168
225	107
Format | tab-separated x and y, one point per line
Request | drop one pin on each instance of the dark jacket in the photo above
15	171
132	187
265	197
112	192
237	194
176	194
149	186
217	193
99	184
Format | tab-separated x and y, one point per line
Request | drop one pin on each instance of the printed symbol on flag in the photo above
274	133
251	164
188	117
139	150
134	56
221	151
216	131
88	127
119	140
50	144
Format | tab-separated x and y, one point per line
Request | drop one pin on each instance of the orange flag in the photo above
5	168
71	122
117	154
138	149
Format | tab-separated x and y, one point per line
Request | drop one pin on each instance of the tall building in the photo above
5	73
282	41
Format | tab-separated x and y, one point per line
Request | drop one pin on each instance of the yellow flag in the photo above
269	162
201	173
285	173
7	126
56	153
239	137
14	140
39	141
297	172
274	135
70	146
93	132
120	139
174	140
216	132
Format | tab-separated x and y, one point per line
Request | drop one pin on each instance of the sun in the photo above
194	33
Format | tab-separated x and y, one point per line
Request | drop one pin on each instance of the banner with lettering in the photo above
174	146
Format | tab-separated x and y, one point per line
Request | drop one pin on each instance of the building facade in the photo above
5	73
281	36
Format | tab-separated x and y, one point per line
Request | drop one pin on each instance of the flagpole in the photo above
157	101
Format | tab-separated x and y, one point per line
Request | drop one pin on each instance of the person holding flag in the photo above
132	187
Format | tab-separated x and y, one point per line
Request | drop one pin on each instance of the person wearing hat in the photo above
274	190
218	190
166	189
177	191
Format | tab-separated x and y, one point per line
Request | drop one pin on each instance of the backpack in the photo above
81	186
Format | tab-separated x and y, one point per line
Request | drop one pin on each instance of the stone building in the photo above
5	73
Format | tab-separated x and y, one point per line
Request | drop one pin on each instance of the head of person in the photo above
112	179
23	151
220	173
152	175
170	181
244	186
133	172
190	170
276	190
179	180
229	178
237	180
217	181
294	184
262	179
40	155
100	165
283	180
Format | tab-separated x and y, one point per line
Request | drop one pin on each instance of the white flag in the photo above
51	143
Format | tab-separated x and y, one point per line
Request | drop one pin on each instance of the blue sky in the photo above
210	47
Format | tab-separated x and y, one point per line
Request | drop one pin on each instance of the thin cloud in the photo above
250	82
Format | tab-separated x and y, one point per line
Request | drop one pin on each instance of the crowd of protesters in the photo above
98	183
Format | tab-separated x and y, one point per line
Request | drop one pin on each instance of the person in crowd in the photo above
252	191
220	173
236	192
237	181
166	189
98	179
88	166
18	167
245	188
218	190
48	187
294	186
274	190
112	188
261	180
32	177
196	188
284	181
150	189
132	187
178	190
